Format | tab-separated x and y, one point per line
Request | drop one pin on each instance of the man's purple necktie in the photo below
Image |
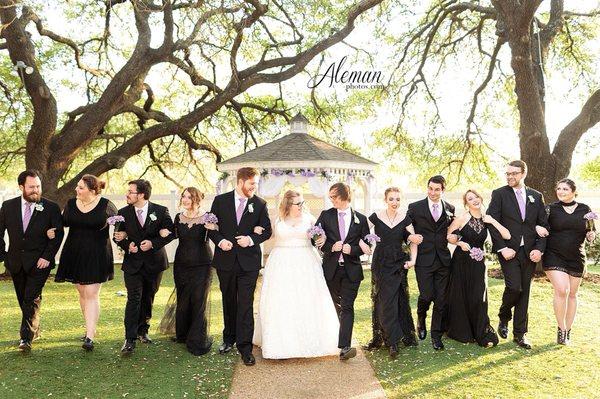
342	225
140	219
27	216
240	209
521	202
436	212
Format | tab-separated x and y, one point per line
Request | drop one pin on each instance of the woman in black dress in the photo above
468	319
192	273
564	259
86	258
390	268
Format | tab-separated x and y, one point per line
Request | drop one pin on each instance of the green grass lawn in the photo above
58	367
506	371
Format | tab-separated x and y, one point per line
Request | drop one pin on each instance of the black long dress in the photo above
87	257
565	248
467	293
192	274
392	306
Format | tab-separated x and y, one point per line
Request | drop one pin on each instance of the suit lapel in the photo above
428	214
336	223
34	213
20	214
248	203
150	210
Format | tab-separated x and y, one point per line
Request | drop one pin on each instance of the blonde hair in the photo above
391	190
471	191
286	202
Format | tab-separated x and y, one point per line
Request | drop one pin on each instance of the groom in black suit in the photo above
31	253
430	218
520	209
344	229
145	258
238	258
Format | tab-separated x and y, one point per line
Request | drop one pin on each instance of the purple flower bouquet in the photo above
315	231
477	254
590	217
115	221
372	238
210	218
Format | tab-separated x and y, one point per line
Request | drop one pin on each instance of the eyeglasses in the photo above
509	174
132	192
298	203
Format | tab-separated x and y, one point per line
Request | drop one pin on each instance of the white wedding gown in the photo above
296	315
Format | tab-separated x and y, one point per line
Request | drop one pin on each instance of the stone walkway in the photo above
325	377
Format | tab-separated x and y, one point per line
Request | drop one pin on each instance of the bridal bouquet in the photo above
315	232
477	254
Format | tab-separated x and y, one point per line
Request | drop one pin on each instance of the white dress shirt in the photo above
347	220
440	208
236	203
144	211
524	195
24	202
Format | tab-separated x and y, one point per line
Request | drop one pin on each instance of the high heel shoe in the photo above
561	336
88	344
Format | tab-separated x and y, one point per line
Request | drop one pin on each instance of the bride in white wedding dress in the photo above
296	316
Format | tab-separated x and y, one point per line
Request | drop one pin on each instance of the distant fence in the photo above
314	205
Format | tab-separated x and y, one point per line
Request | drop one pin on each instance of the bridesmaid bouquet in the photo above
315	231
115	221
477	254
209	220
372	238
590	217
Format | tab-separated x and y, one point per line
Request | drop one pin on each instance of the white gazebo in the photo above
306	163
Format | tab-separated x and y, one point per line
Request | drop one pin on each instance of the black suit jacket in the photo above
357	231
25	248
255	214
434	233
155	259
505	209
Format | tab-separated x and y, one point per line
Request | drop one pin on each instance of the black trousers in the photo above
344	292
28	287
237	289
393	307
518	273
433	285
141	288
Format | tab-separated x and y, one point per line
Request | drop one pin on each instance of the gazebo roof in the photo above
296	147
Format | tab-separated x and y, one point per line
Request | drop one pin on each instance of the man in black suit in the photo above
520	209
238	258
145	258
431	217
344	229
31	253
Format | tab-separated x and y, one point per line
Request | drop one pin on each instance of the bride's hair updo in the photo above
286	202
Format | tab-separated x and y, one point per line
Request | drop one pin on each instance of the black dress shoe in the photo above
394	351
128	347
249	359
225	348
503	330
373	345
347	353
178	340
24	345
421	329
410	340
145	338
88	344
437	344
522	341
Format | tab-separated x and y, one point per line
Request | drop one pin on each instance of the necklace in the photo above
86	204
569	207
390	219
